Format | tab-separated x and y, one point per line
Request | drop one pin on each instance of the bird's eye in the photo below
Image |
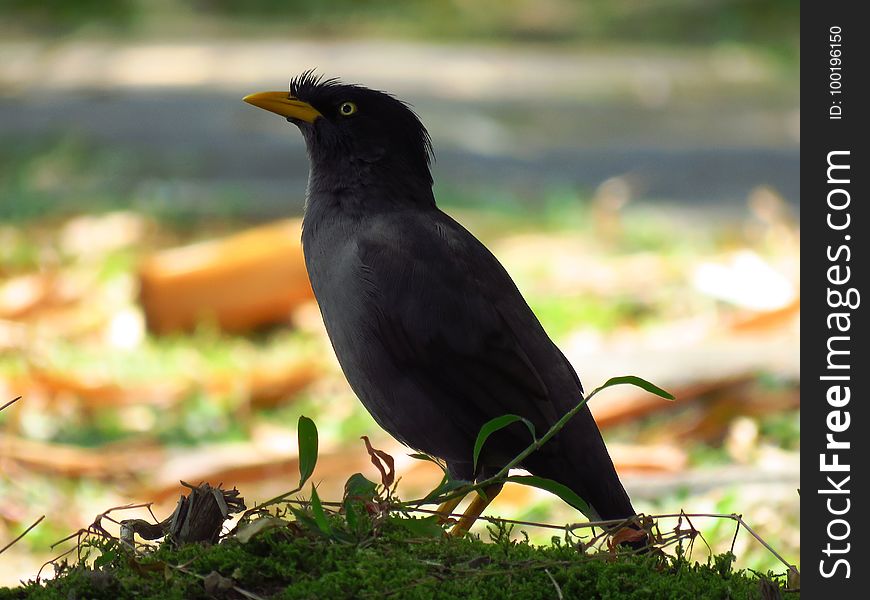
347	108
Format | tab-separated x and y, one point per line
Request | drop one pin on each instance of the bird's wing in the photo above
456	321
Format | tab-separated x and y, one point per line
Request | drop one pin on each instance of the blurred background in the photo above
634	165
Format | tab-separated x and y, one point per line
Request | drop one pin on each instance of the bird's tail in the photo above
577	457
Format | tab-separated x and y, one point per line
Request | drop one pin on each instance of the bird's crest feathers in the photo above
308	86
309	80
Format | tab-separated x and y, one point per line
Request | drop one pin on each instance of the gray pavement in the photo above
698	130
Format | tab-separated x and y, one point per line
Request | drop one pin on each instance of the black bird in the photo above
429	328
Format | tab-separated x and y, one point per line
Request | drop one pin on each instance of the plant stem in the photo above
534	446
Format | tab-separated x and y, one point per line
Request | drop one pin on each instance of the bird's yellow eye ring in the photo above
346	109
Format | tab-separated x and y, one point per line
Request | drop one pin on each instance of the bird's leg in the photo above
474	510
459	471
447	507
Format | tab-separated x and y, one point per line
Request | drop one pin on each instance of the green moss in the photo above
293	562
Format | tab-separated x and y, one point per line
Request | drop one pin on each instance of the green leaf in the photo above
494	425
446	486
307	432
357	491
636	381
107	557
421	456
254	528
359	488
554	487
318	513
352	515
423	527
303	519
342	536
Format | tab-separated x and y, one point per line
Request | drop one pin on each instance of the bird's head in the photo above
352	131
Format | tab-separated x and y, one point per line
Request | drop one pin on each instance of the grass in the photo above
48	179
190	361
281	564
771	24
391	555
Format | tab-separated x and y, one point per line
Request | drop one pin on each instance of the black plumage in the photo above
429	328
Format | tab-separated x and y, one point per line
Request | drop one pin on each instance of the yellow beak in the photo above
284	104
